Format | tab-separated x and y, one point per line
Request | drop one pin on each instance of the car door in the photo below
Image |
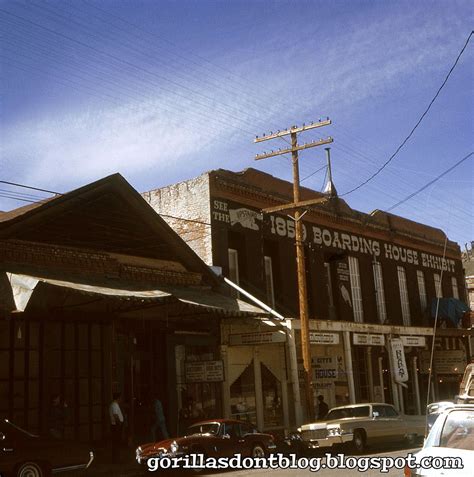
248	438
396	423
390	425
232	442
382	424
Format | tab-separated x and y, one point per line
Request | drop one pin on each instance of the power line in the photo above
381	168
7	196
30	187
421	189
130	64
223	110
313	173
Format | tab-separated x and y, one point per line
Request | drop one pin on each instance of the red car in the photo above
213	438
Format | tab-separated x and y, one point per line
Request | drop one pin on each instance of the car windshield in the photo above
207	428
458	430
344	412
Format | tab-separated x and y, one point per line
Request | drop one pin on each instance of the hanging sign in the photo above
418	341
323	338
399	365
204	371
369	340
257	338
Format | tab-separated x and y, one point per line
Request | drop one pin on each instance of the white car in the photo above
360	425
449	448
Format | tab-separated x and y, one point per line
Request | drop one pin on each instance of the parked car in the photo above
466	389
23	454
465	396
452	436
434	410
360	425
214	438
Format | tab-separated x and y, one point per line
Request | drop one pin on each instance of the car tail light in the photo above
407	471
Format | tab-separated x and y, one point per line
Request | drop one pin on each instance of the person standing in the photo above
158	428
57	417
323	408
116	426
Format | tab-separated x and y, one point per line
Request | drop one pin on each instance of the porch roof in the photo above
23	287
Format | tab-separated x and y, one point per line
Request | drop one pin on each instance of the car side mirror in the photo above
375	414
225	436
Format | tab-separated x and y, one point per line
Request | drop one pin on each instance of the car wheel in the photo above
198	450
359	441
30	469
413	440
258	451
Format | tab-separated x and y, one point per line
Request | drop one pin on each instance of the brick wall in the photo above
187	200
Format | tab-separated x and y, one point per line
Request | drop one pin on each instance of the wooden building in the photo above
98	294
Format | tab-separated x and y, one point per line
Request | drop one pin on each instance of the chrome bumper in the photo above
328	441
70	468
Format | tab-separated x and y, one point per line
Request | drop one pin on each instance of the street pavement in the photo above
130	469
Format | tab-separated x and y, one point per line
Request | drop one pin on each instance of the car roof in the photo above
457	407
220	421
365	404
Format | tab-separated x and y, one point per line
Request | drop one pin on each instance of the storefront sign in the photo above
223	211
444	361
399	365
204	371
418	341
257	338
369	340
323	338
327	368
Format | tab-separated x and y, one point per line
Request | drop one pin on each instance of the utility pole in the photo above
297	205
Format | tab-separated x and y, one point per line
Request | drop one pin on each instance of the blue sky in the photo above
162	91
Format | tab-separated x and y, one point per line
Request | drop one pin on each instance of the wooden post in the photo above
300	256
302	289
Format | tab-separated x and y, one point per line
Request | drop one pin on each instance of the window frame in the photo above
379	292
404	297
356	289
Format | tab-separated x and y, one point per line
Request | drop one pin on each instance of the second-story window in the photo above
327	268
234	267
422	290
379	292
356	289
402	283
454	284
437	284
269	281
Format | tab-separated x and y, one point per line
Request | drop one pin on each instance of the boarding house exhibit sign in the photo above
237	216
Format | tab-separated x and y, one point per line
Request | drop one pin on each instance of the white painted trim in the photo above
320	325
349	369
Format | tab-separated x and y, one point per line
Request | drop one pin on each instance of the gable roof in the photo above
107	215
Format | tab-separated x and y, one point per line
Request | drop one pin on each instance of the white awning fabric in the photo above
23	287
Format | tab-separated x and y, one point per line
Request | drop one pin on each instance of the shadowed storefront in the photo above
98	294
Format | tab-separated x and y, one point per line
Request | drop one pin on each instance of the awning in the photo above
23	287
449	308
